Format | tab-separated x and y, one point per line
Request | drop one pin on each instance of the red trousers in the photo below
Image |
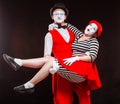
63	91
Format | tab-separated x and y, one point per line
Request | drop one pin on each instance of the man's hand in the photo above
52	26
69	61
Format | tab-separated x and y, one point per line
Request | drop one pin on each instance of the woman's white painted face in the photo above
59	16
91	29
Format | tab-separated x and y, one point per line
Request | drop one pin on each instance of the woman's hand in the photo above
69	61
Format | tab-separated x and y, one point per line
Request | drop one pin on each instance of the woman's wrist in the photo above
77	58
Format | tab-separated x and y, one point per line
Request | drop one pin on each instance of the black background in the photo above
23	25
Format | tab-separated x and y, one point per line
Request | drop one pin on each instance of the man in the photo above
58	42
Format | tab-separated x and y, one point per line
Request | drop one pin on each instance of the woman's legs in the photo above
16	63
42	73
35	62
39	76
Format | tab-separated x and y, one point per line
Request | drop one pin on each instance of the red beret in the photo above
99	31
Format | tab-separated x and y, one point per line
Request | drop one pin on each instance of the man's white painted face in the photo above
59	16
91	29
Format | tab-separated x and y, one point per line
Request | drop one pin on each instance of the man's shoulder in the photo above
48	34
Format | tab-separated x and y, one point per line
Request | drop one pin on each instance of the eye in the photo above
62	14
55	14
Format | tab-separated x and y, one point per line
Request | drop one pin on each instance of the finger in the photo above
70	64
65	59
65	62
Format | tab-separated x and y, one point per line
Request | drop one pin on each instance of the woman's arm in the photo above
94	48
76	31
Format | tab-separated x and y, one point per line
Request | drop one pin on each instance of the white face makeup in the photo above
91	29
59	16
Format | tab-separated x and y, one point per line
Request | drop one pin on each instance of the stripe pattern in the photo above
90	46
68	75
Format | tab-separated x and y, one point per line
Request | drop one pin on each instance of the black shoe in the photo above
22	89
10	60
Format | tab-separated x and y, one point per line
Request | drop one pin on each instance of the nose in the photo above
59	15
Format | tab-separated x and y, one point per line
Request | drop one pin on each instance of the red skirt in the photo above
86	69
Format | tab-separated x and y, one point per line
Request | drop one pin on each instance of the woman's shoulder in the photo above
94	39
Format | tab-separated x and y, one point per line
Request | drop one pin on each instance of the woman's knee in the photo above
49	59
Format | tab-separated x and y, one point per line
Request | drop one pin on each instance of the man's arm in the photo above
48	45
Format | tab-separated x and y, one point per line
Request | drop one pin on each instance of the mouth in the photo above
59	18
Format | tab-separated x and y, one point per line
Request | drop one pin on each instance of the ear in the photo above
65	17
52	17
